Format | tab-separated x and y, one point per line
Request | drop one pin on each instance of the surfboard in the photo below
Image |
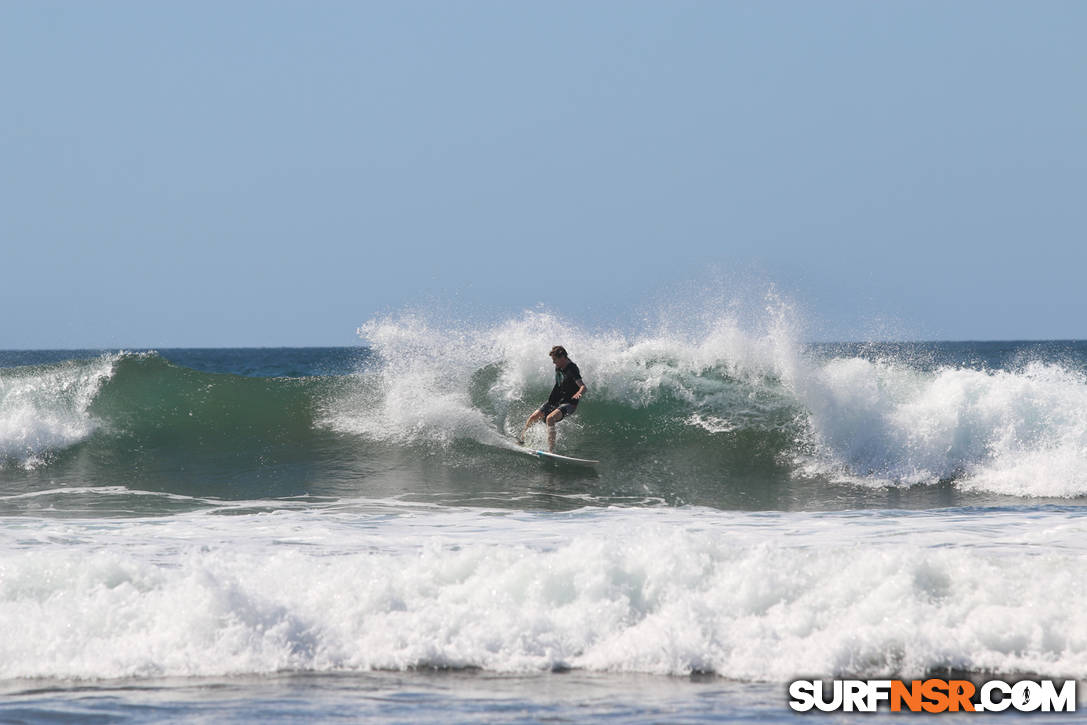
544	455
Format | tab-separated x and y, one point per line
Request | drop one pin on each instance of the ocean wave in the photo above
439	383
876	421
45	408
720	403
745	596
1015	432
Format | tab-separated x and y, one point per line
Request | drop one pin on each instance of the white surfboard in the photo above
544	455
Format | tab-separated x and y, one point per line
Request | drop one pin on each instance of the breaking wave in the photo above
719	401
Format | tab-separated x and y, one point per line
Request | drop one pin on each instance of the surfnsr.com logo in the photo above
933	695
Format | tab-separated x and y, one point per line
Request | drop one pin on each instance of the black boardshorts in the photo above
567	408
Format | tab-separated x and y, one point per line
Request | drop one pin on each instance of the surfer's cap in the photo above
557	351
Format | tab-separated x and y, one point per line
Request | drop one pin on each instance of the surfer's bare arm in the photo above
580	391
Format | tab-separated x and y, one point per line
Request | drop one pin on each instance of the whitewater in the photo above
348	529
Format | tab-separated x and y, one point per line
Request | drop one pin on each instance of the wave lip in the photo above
46	408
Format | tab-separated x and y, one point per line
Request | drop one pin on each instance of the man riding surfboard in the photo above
569	387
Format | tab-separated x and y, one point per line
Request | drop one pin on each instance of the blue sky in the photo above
270	173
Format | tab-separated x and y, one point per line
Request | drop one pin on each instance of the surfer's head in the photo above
558	353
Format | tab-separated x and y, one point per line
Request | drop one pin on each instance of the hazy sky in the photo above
269	173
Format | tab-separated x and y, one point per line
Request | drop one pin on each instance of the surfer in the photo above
569	387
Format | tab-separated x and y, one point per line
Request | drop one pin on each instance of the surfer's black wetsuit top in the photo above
567	382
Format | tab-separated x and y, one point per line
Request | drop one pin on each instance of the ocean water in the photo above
321	534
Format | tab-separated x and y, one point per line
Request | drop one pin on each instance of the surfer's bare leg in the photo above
534	418
552	418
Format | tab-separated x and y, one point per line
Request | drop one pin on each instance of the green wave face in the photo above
150	425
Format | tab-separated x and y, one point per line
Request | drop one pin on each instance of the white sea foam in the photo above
46	408
710	423
1020	432
749	596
